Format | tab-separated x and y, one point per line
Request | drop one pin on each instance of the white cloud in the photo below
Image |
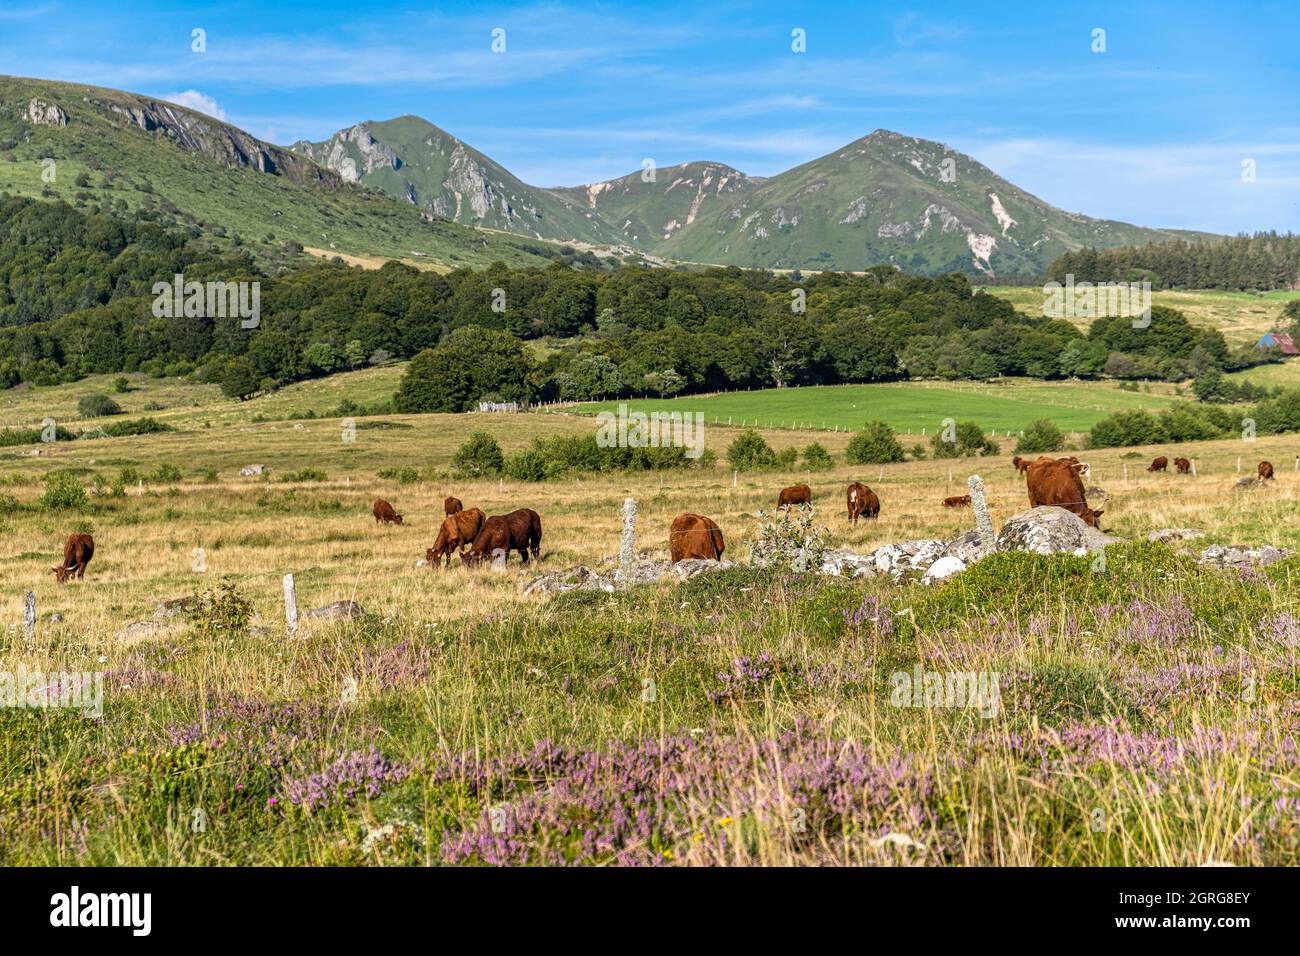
199	102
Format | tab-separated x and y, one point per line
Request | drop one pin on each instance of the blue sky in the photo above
1154	130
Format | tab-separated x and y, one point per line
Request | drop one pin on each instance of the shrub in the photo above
817	458
526	465
480	455
63	492
750	452
223	610
1127	428
305	474
790	541
874	445
1040	436
121	385
165	474
966	439
787	458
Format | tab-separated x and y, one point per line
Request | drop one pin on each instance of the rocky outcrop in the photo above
907	558
1050	530
214	140
337	153
41	113
1173	535
583	578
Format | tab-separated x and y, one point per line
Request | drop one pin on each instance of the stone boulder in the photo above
1174	535
690	567
1251	483
1238	556
848	564
1050	530
581	578
942	569
338	611
249	471
907	557
968	548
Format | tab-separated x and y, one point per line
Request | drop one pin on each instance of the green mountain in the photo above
89	145
893	198
412	160
650	207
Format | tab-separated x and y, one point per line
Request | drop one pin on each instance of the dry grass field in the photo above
1148	711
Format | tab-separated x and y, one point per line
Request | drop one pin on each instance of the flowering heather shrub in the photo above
684	800
348	777
873	613
746	679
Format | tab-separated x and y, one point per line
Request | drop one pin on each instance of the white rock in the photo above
943	568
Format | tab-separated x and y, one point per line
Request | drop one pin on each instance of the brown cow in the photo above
457	531
1160	464
1265	470
77	552
957	501
1053	481
520	531
862	502
695	536
1020	464
1183	465
384	512
794	495
452	506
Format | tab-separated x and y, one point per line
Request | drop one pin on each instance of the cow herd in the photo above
469	534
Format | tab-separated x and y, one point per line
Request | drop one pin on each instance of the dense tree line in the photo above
1258	262
76	298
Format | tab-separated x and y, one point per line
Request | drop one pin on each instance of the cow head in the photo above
1091	517
430	555
469	558
61	574
397	519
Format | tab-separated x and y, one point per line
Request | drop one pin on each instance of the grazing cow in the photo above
1020	464
862	502
1183	465
695	536
452	506
77	552
520	531
384	512
794	495
457	531
1053	481
1160	464
1265	470
957	501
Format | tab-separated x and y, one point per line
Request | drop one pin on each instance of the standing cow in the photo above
695	536
794	495
520	531
1183	465
384	512
457	531
1265	471
452	506
1160	464
1052	481
862	502
77	552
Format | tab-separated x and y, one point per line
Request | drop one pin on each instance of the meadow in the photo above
1242	317
747	716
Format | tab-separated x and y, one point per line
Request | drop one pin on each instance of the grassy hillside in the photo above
912	406
216	177
1242	317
